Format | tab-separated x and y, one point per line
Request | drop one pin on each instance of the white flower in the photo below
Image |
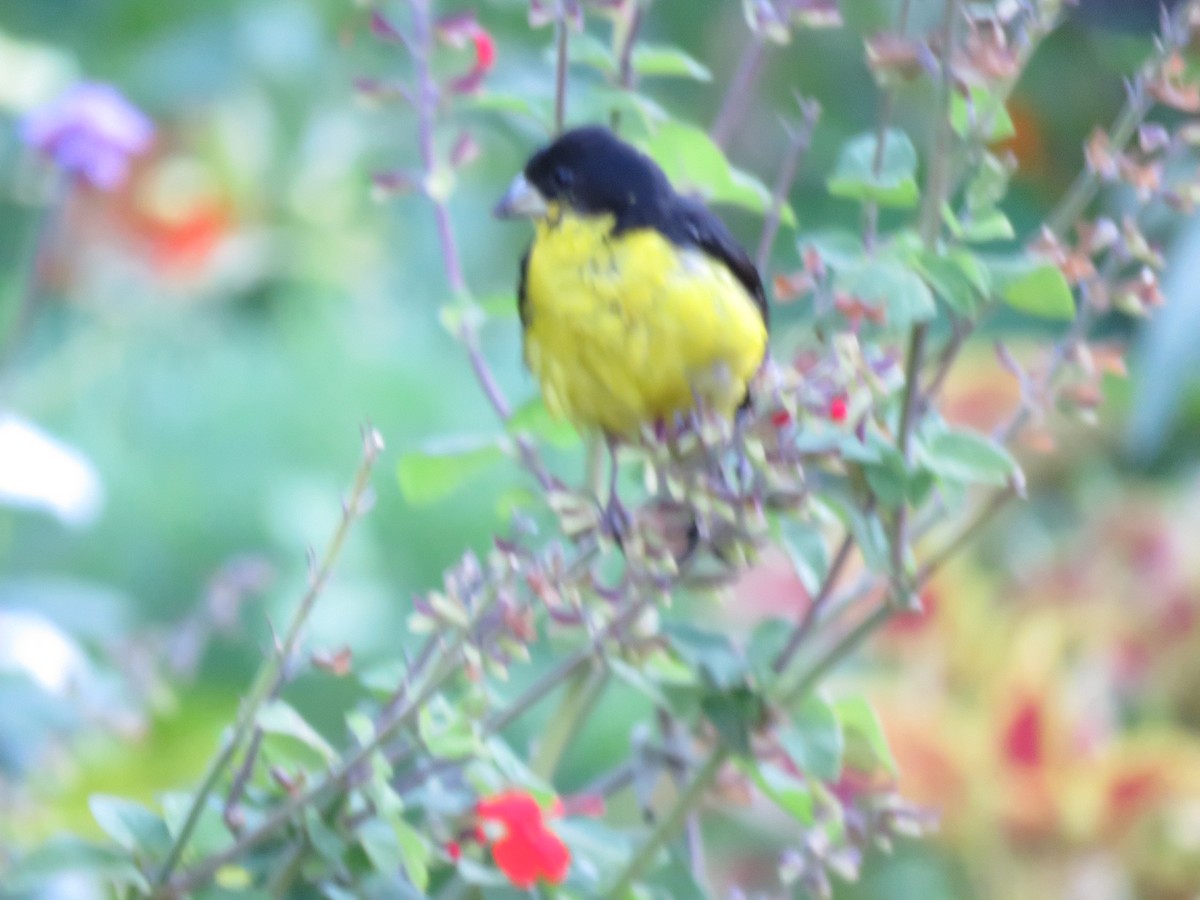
39	472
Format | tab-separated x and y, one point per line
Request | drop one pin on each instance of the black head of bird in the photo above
592	172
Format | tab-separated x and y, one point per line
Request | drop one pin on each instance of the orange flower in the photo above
524	849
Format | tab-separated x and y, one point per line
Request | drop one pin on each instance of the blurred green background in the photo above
213	336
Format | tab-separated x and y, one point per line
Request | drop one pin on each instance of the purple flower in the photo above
90	132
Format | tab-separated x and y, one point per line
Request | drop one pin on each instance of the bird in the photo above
637	305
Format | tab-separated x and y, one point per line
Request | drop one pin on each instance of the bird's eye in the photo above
562	177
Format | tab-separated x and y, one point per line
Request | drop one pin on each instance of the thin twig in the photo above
887	110
802	630
628	40
799	140
339	778
266	680
741	87
562	55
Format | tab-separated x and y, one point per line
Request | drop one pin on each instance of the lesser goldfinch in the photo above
636	303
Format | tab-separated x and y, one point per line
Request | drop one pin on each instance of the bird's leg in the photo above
615	519
742	466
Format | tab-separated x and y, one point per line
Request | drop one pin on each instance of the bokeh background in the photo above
207	342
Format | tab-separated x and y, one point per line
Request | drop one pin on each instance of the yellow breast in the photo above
629	330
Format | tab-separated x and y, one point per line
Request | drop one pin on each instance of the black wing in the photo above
522	300
690	222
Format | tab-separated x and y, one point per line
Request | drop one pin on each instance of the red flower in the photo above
838	409
781	418
456	30
525	849
1024	736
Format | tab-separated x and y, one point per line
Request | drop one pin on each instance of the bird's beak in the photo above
522	200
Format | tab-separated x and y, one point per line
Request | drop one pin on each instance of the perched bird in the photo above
636	303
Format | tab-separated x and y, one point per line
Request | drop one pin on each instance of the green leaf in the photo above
633	677
867	529
789	793
888	479
708	652
62	855
895	185
814	739
518	104
586	49
890	284
957	276
378	840
988	185
969	457
660	60
767	641
211	834
694	162
805	546
428	475
866	745
278	717
981	113
533	418
323	838
1034	287
446	732
980	227
839	249
735	714
414	853
130	824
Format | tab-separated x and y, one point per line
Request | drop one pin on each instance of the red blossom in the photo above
781	418
526	850
1024	736
454	850
838	409
459	30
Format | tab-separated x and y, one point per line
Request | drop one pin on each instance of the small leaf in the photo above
867	529
895	185
892	285
633	677
789	793
708	652
428	475
61	855
278	717
694	162
378	841
805	546
533	418
1037	288
659	60
130	824
982	113
969	457
814	739
447	732
586	49
735	714
838	249
414	853
957	277
866	745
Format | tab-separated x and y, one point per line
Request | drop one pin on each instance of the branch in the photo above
562	36
268	676
800	138
741	87
339	778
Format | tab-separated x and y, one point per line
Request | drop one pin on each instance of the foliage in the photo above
847	461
